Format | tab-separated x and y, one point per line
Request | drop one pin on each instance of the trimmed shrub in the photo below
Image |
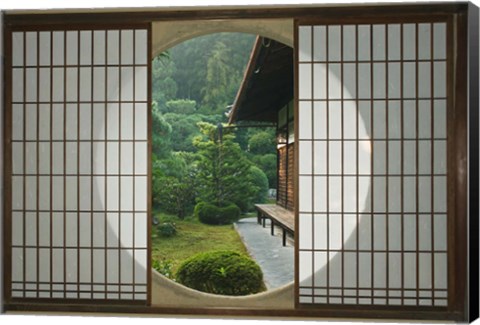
167	229
221	272
212	215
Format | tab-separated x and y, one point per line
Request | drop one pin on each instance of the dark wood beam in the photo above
50	18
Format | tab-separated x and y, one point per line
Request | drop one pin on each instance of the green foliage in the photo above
161	133
217	94
164	85
260	182
194	82
242	135
268	164
186	129
173	184
163	267
195	67
212	215
192	237
221	272
222	168
262	143
167	229
181	106
174	196
174	165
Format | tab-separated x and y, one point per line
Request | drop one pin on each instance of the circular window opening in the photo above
219	164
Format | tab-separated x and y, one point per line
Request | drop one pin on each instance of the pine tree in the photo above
223	169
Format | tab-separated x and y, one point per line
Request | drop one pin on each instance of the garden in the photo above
206	175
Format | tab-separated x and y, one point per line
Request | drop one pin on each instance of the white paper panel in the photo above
334	53
364	42
379	46
85	158
17	48
31	122
126	83
141	55
305	124
141	122
58	85
31	84
305	52
364	80
85	191
319	120
112	122
126	225
439	41
17	85
305	162
349	43
141	162
320	190
58	198
319	81
99	74
127	118
319	159
140	193
113	46
17	122
44	193
126	193
140	224
141	84
31	50
382	160
305	226
305	81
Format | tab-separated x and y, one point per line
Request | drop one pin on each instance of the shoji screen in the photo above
373	205
79	169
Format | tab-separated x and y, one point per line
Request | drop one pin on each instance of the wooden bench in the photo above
278	216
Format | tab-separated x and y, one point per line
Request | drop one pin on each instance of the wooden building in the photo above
266	95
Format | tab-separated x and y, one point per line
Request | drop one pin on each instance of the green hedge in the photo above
221	272
212	215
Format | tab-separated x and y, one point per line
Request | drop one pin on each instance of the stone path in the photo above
276	261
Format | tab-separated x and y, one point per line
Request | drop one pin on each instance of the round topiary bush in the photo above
221	272
212	215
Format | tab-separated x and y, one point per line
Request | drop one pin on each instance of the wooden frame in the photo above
473	68
459	85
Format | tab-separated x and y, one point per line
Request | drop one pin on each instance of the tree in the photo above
223	169
164	86
268	164
185	129
191	60
194	82
219	76
181	106
173	184
260	182
262	143
161	133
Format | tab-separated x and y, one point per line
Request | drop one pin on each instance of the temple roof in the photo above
267	84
